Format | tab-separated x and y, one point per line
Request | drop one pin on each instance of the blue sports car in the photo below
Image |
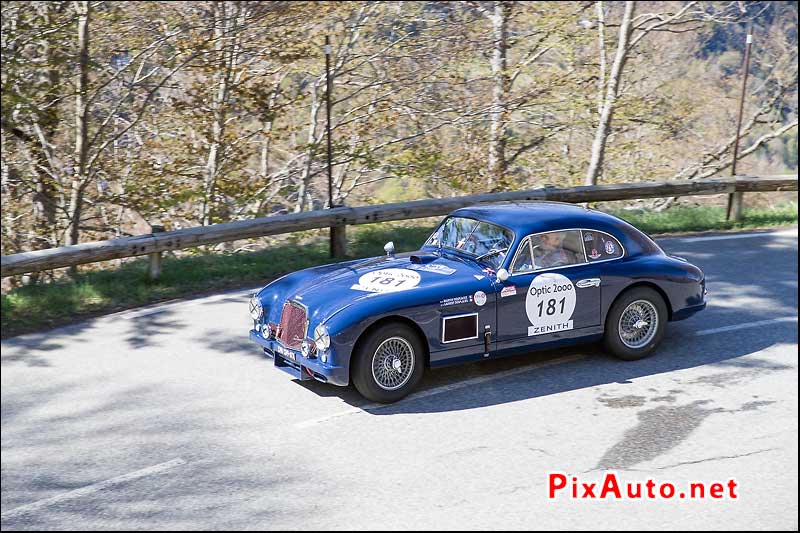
492	280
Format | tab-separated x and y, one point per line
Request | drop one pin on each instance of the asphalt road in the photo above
168	418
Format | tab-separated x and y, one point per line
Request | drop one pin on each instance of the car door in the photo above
467	322
550	296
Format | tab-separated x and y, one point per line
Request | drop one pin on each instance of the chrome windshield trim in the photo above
462	252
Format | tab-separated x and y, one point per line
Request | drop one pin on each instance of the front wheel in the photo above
635	324
389	363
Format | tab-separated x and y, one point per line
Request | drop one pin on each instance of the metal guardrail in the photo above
155	243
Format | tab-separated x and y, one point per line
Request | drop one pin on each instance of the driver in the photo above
551	250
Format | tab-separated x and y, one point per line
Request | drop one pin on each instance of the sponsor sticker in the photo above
508	291
610	248
588	237
549	304
436	269
595	254
456	300
478	277
480	298
387	280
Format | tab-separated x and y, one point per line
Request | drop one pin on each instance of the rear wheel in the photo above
635	324
388	363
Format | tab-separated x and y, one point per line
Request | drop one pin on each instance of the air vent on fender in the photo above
422	259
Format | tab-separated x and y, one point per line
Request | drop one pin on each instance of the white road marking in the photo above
91	489
746	325
439	390
784	233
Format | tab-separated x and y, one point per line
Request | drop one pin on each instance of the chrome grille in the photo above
293	325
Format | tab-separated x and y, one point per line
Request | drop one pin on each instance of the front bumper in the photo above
293	363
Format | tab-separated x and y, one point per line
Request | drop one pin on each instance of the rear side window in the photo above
556	249
600	246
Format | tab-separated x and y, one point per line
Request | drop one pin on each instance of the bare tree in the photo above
498	116
79	177
607	108
687	17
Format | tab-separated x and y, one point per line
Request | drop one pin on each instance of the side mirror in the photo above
389	248
502	274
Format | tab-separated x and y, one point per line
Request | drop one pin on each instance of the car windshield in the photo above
483	240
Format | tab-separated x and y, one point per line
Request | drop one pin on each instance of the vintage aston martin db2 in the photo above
492	280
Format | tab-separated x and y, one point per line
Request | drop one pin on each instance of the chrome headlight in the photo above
256	310
321	338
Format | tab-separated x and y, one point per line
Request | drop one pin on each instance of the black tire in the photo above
629	349
389	336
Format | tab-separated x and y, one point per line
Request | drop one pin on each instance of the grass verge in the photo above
41	306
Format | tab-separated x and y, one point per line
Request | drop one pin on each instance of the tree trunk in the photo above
498	115
612	91
601	46
79	177
45	127
225	58
311	151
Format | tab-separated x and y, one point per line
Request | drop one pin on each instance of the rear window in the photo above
600	246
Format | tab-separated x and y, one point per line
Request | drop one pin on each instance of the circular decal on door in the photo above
387	280
480	298
550	303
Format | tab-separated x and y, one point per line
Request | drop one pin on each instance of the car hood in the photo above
415	277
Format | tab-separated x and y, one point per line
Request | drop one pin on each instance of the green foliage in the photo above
680	219
103	291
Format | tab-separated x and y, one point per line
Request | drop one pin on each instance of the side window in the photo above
557	248
600	246
523	262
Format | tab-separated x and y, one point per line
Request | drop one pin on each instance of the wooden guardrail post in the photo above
735	207
338	242
154	261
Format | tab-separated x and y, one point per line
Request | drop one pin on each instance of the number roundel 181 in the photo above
550	303
387	280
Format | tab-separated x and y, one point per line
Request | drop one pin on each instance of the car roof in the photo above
529	217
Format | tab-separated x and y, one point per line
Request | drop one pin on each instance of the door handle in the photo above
589	282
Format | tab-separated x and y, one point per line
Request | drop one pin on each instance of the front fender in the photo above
421	307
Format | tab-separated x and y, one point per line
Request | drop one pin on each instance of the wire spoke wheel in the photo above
393	363
638	324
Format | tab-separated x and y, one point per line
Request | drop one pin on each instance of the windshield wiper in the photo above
495	251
